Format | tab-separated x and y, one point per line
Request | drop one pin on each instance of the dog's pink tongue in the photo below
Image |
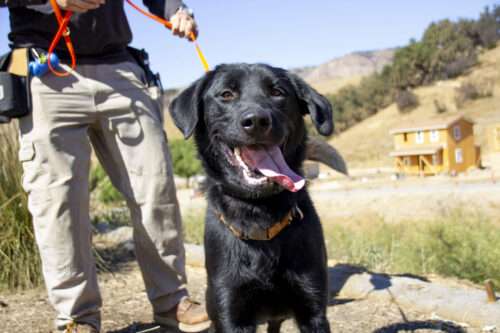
271	163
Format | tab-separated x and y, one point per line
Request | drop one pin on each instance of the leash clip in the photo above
298	212
67	32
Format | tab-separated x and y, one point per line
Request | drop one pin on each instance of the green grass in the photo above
194	226
459	245
101	184
19	260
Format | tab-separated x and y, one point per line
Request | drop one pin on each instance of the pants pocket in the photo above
38	196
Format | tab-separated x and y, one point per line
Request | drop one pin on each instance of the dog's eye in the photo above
227	95
275	92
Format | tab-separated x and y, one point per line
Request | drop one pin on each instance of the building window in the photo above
434	136
457	133
405	135
419	138
407	160
459	156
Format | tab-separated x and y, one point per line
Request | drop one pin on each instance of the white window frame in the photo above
434	136
459	156
419	137
457	132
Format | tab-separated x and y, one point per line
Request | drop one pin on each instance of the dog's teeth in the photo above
248	175
240	160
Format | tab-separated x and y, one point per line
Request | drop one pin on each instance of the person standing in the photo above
106	102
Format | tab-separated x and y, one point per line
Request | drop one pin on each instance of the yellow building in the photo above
492	153
441	145
494	138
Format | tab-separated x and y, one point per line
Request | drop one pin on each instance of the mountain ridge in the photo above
331	75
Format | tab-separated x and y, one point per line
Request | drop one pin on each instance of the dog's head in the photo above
248	125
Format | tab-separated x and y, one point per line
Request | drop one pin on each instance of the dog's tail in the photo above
320	151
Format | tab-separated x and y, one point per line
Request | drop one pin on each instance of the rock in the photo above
195	255
453	303
118	236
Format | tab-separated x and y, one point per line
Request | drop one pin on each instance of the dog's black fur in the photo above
251	282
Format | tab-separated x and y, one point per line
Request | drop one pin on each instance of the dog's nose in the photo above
256	122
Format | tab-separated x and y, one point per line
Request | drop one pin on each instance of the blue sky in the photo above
284	33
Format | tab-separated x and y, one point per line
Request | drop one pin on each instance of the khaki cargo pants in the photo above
109	107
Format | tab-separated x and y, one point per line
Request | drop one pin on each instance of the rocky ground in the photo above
126	309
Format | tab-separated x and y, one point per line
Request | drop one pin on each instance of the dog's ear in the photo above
186	108
315	104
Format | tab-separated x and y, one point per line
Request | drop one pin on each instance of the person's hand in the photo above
183	24
80	6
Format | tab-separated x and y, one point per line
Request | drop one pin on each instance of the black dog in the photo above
265	253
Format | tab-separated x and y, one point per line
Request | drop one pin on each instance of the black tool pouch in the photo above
141	57
14	93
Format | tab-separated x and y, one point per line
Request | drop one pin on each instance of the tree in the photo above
447	45
488	27
184	159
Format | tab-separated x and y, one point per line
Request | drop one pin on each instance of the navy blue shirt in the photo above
99	36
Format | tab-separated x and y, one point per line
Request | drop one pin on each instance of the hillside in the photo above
368	143
349	69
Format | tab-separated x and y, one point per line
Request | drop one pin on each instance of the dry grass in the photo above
331	86
19	261
460	245
173	132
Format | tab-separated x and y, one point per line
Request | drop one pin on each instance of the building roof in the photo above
419	150
430	124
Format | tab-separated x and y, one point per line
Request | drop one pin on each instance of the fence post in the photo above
488	284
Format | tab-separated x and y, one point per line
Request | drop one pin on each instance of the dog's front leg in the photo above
228	327
228	310
274	326
314	324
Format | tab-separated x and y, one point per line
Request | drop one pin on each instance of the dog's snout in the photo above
254	122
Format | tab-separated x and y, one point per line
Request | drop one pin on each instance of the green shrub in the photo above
19	259
406	101
470	90
184	158
101	184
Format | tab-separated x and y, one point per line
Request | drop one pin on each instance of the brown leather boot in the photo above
79	328
187	316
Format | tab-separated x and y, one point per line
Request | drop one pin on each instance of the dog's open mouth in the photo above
260	165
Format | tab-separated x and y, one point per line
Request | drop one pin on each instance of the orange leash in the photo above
64	32
167	24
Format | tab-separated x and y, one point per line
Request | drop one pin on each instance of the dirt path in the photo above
126	310
394	201
408	199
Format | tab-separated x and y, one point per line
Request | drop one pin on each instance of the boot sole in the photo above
187	328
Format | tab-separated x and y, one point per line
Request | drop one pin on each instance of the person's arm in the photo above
163	8
175	11
21	3
78	6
